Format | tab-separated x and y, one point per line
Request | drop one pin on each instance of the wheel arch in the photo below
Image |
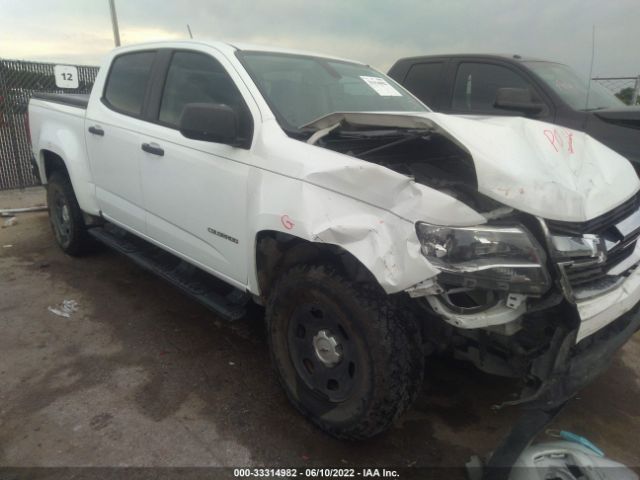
51	159
51	162
276	252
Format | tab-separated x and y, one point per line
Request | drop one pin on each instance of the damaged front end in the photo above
523	296
553	320
549	304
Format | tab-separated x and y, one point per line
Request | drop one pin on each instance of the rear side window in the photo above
423	80
197	78
127	82
477	85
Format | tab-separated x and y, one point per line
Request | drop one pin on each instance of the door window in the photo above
477	84
127	82
198	78
423	80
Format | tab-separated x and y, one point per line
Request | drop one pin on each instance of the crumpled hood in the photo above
536	167
543	169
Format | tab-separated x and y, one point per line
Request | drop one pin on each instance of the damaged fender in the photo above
370	210
367	209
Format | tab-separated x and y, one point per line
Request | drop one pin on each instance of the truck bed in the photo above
70	99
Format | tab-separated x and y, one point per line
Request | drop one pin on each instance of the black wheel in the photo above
348	359
65	216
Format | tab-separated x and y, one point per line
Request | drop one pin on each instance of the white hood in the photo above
539	168
543	169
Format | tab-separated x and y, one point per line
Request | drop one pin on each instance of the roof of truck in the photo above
497	56
263	48
225	46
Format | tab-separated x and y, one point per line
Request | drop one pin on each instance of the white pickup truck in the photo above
374	231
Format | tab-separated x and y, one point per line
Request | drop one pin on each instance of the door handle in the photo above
153	148
96	131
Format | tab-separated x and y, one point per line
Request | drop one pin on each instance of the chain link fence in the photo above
19	80
626	89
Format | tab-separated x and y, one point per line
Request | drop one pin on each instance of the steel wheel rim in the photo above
322	352
61	219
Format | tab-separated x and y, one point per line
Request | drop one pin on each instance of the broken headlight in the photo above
494	257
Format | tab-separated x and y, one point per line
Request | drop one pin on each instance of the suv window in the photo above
423	80
127	82
477	85
197	78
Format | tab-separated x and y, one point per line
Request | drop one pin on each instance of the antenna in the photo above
593	54
189	29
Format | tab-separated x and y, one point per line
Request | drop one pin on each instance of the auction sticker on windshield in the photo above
381	86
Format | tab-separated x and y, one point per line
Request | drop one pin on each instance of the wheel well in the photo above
276	252
53	163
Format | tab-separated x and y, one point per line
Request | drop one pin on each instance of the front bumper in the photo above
568	367
597	312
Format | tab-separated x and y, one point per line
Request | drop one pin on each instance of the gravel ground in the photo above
140	375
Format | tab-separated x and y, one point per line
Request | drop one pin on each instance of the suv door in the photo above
196	191
476	85
113	141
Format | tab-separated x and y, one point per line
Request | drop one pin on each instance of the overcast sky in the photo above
375	31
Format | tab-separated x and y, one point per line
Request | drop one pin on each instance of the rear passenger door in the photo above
195	191
476	84
113	141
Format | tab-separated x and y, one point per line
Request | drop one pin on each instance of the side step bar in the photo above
223	299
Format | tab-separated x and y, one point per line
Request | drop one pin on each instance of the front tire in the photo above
347	357
65	216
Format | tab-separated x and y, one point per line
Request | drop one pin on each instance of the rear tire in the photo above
348	358
65	216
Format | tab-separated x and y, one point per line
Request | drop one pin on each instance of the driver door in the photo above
195	192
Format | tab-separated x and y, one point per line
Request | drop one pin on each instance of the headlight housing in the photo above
495	257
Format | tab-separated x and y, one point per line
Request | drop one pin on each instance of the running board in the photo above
223	299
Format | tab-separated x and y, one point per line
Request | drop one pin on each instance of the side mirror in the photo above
517	100
210	122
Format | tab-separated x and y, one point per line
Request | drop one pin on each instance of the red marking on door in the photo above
287	222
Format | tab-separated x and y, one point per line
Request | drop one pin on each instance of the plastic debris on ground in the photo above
575	438
65	309
567	460
11	221
572	457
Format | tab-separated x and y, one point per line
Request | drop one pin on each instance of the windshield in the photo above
300	89
573	89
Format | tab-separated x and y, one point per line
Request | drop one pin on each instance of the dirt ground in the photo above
141	375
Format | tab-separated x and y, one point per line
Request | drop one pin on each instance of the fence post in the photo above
636	91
